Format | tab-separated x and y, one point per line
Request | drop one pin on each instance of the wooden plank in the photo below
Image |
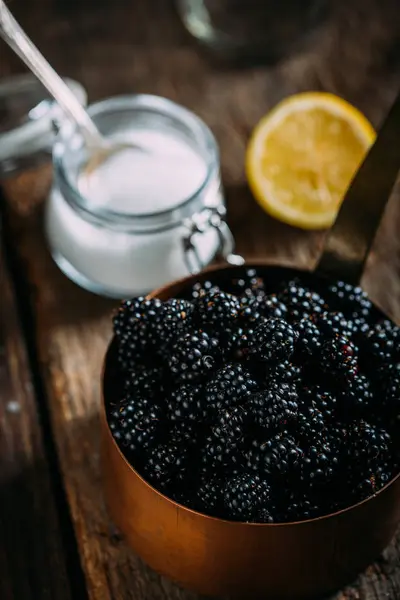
32	550
140	46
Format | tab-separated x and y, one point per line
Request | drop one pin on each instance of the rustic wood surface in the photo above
32	550
116	46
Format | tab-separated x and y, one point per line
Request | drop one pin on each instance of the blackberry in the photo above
301	302
352	301
144	381
249	312
279	454
373	481
338	357
274	407
228	341
251	317
364	489
357	394
236	338
273	341
299	507
381	345
389	387
202	288
193	355
383	474
184	496
391	328
134	423
309	340
339	440
251	285
217	310
232	385
283	372
331	324
184	405
253	310
324	401
318	465
310	426
220	457
127	355
139	328
357	328
229	425
209	496
272	307
165	462
266	514
244	496
185	433
177	314
369	444
241	340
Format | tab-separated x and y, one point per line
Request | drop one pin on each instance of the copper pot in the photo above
240	560
297	560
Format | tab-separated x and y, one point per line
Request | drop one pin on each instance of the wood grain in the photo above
32	551
139	46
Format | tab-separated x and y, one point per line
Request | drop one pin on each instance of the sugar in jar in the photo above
147	215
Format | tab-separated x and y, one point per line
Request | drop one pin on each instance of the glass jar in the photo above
27	115
128	250
251	29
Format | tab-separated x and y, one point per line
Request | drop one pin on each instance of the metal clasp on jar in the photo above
200	223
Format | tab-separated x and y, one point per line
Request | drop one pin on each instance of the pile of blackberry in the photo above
259	403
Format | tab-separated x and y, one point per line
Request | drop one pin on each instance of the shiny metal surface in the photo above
198	224
348	242
240	560
101	149
16	38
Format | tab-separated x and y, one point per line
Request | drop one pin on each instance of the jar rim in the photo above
139	103
27	134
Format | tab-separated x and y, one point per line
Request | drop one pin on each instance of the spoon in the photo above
100	148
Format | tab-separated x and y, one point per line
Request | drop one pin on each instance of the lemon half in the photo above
302	156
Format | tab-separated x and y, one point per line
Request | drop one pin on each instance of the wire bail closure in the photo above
199	224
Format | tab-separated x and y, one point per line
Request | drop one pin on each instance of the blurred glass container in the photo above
27	119
251	29
139	228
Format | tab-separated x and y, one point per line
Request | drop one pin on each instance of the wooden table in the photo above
56	540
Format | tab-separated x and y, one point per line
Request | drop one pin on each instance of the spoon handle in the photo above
16	38
348	242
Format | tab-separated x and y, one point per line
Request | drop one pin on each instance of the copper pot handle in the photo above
348	243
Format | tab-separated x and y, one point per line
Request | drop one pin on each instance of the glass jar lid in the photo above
27	116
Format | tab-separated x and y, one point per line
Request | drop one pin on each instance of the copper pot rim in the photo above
134	472
249	264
